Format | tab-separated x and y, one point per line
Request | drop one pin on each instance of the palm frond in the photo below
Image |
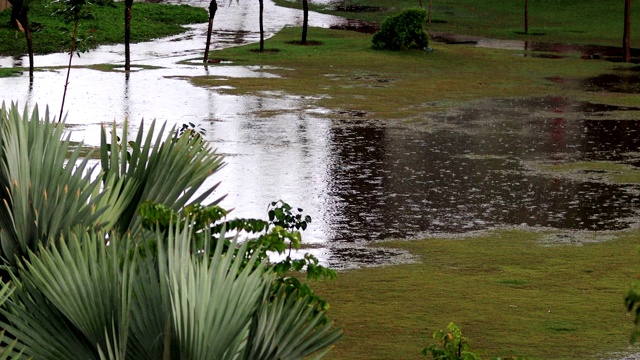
285	327
213	298
47	188
164	169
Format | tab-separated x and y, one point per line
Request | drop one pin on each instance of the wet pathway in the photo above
461	171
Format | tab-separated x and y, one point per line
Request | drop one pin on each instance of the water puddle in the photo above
461	171
536	49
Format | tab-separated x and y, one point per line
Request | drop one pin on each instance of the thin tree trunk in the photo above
305	20
429	12
23	20
261	27
16	6
127	34
626	45
66	84
27	34
421	5
213	7
526	16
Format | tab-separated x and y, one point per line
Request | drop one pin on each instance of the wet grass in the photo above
106	26
584	22
120	68
509	293
595	170
5	72
406	85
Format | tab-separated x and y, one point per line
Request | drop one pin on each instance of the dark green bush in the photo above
403	31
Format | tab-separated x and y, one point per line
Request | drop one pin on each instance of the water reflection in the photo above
365	181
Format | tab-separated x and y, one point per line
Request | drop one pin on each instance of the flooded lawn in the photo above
469	169
472	169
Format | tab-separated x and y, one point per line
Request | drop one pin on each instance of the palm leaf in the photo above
285	327
213	298
167	170
47	188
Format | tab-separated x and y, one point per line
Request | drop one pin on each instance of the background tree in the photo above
526	16
626	44
20	20
429	11
213	7
127	34
71	10
305	20
261	26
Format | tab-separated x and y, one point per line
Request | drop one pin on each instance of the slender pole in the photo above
24	22
66	84
526	16
626	45
127	34
261	27
305	20
213	7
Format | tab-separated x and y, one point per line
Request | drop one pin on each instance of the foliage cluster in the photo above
451	345
403	31
122	261
51	32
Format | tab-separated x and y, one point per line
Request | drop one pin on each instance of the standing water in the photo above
360	180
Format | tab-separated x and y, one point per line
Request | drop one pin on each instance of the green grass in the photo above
509	294
406	85
585	21
604	170
149	21
7	72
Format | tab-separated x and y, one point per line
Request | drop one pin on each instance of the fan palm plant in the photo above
89	281
78	298
47	189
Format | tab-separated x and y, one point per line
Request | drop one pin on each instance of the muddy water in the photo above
461	171
361	180
534	48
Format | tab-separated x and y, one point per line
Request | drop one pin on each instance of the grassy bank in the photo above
509	292
409	85
149	21
585	22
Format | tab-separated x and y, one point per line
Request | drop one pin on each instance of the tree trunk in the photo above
421	5
305	20
429	12
626	45
21	12
127	34
213	7
261	26
24	21
16	6
73	49
526	16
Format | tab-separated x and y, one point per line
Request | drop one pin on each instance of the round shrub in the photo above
403	31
